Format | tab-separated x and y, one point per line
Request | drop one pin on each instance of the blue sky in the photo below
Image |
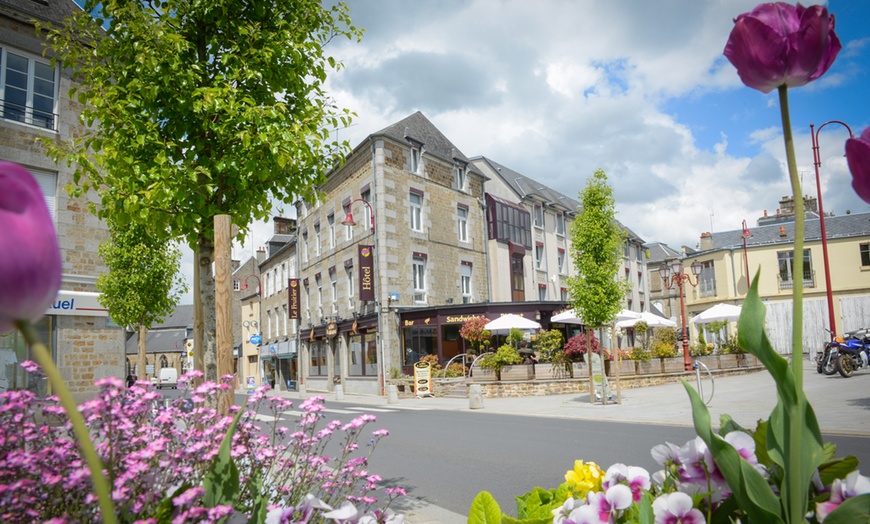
556	89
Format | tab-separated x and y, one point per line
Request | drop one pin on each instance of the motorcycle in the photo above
826	361
854	353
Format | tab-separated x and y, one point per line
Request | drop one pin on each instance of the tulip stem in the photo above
796	501
43	358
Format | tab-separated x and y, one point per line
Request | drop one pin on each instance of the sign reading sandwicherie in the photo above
293	298
366	272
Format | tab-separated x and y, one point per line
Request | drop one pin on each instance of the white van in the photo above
168	378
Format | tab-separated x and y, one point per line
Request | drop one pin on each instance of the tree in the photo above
477	336
596	248
200	109
143	283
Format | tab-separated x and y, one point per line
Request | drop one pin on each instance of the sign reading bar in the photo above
293	298
366	272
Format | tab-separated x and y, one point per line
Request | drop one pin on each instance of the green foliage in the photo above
701	340
716	329
701	349
643	333
473	332
549	342
143	284
577	345
731	346
664	344
484	510
515	336
596	248
641	354
505	356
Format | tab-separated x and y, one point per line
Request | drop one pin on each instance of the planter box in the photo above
728	361
516	372
626	367
711	361
673	365
548	371
650	367
747	360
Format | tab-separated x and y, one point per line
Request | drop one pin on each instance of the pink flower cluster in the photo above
157	455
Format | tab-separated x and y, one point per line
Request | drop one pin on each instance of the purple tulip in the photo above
30	268
781	44
858	157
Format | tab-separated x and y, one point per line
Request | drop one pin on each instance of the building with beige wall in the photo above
84	342
727	269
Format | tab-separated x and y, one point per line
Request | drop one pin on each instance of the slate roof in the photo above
158	341
55	11
182	317
417	127
844	226
659	252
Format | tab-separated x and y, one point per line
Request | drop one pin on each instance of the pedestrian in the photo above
131	379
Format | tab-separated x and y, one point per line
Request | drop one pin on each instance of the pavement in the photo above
842	407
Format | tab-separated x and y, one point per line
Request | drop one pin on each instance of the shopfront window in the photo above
318	358
363	355
14	351
418	342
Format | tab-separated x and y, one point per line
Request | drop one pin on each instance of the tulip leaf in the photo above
484	510
221	482
837	469
750	489
855	509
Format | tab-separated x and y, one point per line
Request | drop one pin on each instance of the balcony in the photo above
26	114
788	282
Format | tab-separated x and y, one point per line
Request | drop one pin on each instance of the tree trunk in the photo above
142	332
206	309
589	363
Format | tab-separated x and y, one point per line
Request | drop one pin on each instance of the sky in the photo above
557	89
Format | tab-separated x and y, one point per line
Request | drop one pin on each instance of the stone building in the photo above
34	103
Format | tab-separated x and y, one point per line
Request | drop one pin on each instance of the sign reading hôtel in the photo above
79	303
293	298
366	272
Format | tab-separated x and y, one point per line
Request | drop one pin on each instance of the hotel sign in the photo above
293	298
366	272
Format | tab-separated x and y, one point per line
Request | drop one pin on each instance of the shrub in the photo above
700	349
549	342
731	347
640	354
576	346
664	344
505	356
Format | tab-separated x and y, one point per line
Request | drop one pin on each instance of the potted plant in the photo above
504	356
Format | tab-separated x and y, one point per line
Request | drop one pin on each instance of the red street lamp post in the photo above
817	162
348	218
675	266
259	286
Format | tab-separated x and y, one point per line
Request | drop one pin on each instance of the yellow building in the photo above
729	260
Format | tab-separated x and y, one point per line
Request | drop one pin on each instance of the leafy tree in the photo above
549	342
643	332
143	283
597	291
664	344
199	109
504	356
474	332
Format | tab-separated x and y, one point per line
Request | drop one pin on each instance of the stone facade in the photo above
86	345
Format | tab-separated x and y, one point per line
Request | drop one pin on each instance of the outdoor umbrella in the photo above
717	313
652	320
627	314
567	317
507	322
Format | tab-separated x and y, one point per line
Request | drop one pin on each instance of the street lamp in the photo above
675	266
817	162
259	286
348	218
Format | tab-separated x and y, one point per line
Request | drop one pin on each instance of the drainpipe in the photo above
482	203
378	274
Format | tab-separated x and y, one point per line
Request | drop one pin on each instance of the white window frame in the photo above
348	229
542	292
42	120
560	224
305	247
465	283
333	283
350	287
414	160
317	245
462	223
284	319
538	216
331	221
560	260
419	279
367	197
319	282
539	256
460	178
415	207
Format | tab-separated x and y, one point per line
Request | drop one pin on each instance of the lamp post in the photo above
747	234
817	162
675	266
349	221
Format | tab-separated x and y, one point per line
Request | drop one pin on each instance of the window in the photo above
334	294
465	282
864	250
560	224
350	289
707	279
282	276
626	250
363	359
462	218
539	216
640	281
459	176
563	293
48	185
560	260
305	247
237	284
539	255
639	253
319	284
276	284
317	240
284	318
786	269
27	89
508	223
367	196
268	284
306	301
268	324
419	270
416	209
542	291
518	279
331	220
318	358
415	160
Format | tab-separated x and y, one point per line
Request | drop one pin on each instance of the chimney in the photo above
765	212
706	241
261	254
782	231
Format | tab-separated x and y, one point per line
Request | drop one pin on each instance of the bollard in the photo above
303	390
339	392
392	394
475	397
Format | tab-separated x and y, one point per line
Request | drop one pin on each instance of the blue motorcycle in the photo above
854	353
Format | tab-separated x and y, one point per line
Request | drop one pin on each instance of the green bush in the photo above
700	349
664	344
548	342
731	347
640	354
505	356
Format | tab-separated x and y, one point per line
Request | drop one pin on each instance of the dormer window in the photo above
415	159
459	177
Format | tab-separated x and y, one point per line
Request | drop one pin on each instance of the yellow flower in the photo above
584	478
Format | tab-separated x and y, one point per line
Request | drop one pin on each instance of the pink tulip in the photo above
858	157
781	44
30	268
